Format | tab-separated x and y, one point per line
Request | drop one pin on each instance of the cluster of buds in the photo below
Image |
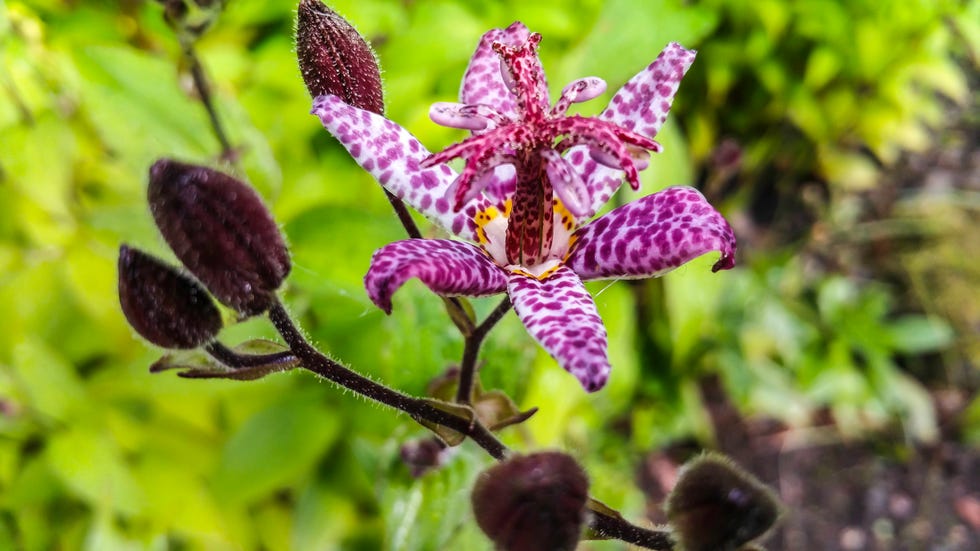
540	501
226	239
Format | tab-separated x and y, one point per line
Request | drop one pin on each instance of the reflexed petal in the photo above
561	315
392	155
641	105
483	83
449	268
651	236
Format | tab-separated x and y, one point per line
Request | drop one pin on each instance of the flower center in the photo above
533	139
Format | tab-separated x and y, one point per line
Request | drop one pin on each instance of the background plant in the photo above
93	94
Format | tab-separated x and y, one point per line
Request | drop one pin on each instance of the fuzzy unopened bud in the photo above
221	231
335	59
165	306
532	502
717	506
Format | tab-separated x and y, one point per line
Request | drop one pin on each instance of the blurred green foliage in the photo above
96	453
850	84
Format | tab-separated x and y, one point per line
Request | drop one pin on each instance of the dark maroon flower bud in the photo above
165	306
717	506
532	502
335	59
219	228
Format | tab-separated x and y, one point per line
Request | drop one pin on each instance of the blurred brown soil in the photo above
879	492
874	494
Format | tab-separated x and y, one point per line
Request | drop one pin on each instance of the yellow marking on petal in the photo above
564	215
543	276
571	245
549	266
483	218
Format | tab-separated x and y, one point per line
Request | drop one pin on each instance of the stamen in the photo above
453	115
578	91
603	156
505	73
466	116
640	156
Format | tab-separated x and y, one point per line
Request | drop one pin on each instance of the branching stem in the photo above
608	525
471	349
416	408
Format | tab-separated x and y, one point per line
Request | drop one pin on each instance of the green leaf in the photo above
274	448
624	39
919	334
822	66
433	512
126	90
52	387
90	464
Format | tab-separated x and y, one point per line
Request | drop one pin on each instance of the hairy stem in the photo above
416	408
603	523
618	528
471	349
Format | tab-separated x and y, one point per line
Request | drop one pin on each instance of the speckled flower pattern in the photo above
651	236
641	105
532	180
450	268
562	316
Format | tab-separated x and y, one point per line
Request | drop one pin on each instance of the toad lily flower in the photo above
533	178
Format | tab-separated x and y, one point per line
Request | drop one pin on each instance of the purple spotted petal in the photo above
483	83
641	105
561	315
449	268
651	236
392	155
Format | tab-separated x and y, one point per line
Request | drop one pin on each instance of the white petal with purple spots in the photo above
392	155
651	236
561	315
640	105
449	268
